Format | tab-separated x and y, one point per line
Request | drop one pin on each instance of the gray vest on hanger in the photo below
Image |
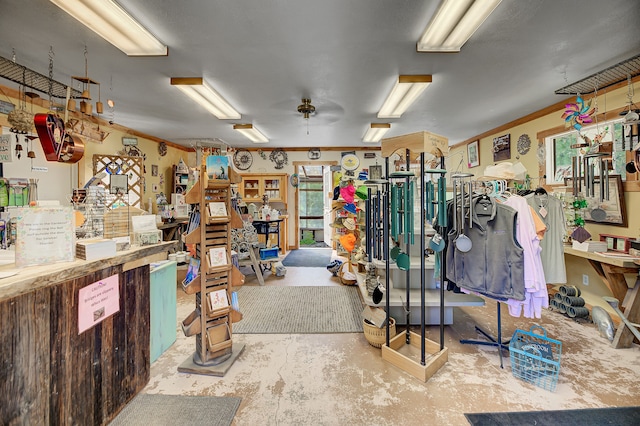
495	264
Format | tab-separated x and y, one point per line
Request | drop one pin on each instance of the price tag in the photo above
543	212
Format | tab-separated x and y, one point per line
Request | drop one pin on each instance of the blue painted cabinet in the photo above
163	310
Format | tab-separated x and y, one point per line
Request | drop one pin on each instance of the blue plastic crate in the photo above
535	358
268	253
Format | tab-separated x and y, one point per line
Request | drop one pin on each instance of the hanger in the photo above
540	191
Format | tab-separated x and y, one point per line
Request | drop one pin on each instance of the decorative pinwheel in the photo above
579	113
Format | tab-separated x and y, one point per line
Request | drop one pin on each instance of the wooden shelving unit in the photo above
180	178
212	327
255	185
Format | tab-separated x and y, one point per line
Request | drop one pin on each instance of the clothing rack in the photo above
491	189
492	341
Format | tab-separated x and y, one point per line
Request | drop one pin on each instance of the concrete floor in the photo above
339	379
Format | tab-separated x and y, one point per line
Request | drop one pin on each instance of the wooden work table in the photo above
611	270
53	374
172	230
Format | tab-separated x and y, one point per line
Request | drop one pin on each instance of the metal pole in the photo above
442	205
423	277
385	243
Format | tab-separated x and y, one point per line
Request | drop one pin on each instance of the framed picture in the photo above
375	171
612	211
473	154
502	148
118	184
154	170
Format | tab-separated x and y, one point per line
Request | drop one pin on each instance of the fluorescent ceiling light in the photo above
198	90
454	23
375	132
404	93
111	22
251	133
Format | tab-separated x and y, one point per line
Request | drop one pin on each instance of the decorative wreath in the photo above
524	144
279	157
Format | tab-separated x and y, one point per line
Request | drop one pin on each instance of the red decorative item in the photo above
57	144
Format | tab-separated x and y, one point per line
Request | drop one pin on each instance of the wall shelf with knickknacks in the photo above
255	185
180	178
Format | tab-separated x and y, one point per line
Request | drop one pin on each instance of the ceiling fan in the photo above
306	109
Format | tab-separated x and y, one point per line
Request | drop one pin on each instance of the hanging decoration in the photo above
18	147
631	120
31	153
524	144
578	205
20	120
578	113
57	144
85	98
279	157
593	144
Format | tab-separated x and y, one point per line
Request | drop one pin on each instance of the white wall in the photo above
53	184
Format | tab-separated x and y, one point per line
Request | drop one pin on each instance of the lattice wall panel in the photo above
133	167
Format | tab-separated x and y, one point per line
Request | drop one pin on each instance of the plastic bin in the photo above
268	253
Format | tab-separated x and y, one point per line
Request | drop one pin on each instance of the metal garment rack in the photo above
492	341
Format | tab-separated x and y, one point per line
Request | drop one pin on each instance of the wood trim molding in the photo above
314	163
44	103
327	148
296	200
559	106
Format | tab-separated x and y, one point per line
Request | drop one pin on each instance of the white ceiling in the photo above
263	56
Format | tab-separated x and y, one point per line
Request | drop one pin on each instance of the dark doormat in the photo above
157	409
309	257
618	416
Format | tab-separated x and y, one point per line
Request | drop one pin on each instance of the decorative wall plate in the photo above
279	157
242	159
350	162
314	153
524	144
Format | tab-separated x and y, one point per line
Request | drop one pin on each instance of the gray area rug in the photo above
162	410
308	257
299	310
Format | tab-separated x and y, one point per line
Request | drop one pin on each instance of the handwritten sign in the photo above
98	301
44	235
5	149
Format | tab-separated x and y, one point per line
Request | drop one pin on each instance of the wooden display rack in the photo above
212	327
406	356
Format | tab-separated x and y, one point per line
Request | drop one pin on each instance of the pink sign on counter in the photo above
98	301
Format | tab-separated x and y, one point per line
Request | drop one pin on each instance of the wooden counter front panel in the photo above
52	375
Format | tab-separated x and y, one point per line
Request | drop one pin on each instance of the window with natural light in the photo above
559	152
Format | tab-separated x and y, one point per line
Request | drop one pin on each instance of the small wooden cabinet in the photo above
255	185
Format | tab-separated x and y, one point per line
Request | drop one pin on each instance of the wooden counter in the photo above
611	270
50	374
